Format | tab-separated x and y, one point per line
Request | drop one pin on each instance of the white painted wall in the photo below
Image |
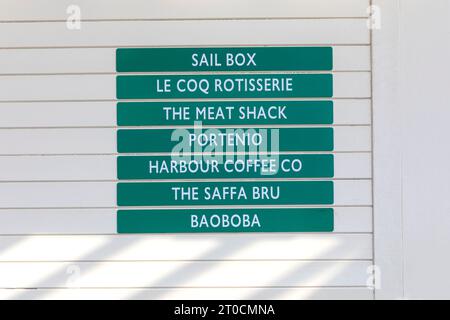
411	154
424	84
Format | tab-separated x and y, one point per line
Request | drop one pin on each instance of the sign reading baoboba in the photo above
226	220
244	151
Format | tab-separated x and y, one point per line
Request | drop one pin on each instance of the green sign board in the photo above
238	128
224	193
224	140
225	220
235	167
224	113
224	59
213	86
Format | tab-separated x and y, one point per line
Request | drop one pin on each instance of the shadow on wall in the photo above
275	284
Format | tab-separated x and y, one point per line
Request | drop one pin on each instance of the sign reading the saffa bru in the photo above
225	127
225	193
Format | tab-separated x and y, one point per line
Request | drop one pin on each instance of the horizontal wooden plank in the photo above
353	192
60	195
103	140
95	168
179	33
53	168
57	114
187	247
350	112
352	165
103	194
57	221
351	85
179	9
157	274
342	293
103	87
103	221
98	113
57	141
353	219
58	60
352	139
351	58
96	60
61	87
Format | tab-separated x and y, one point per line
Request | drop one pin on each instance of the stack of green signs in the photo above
220	141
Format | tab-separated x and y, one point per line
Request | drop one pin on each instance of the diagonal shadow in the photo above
100	253
184	273
295	276
105	251
181	274
178	276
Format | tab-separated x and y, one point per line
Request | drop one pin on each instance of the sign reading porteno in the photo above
225	127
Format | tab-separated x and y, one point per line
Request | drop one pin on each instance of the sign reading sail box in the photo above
242	83
224	59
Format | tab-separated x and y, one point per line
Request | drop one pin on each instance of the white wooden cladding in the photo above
58	156
179	33
205	274
188	247
44	10
317	293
